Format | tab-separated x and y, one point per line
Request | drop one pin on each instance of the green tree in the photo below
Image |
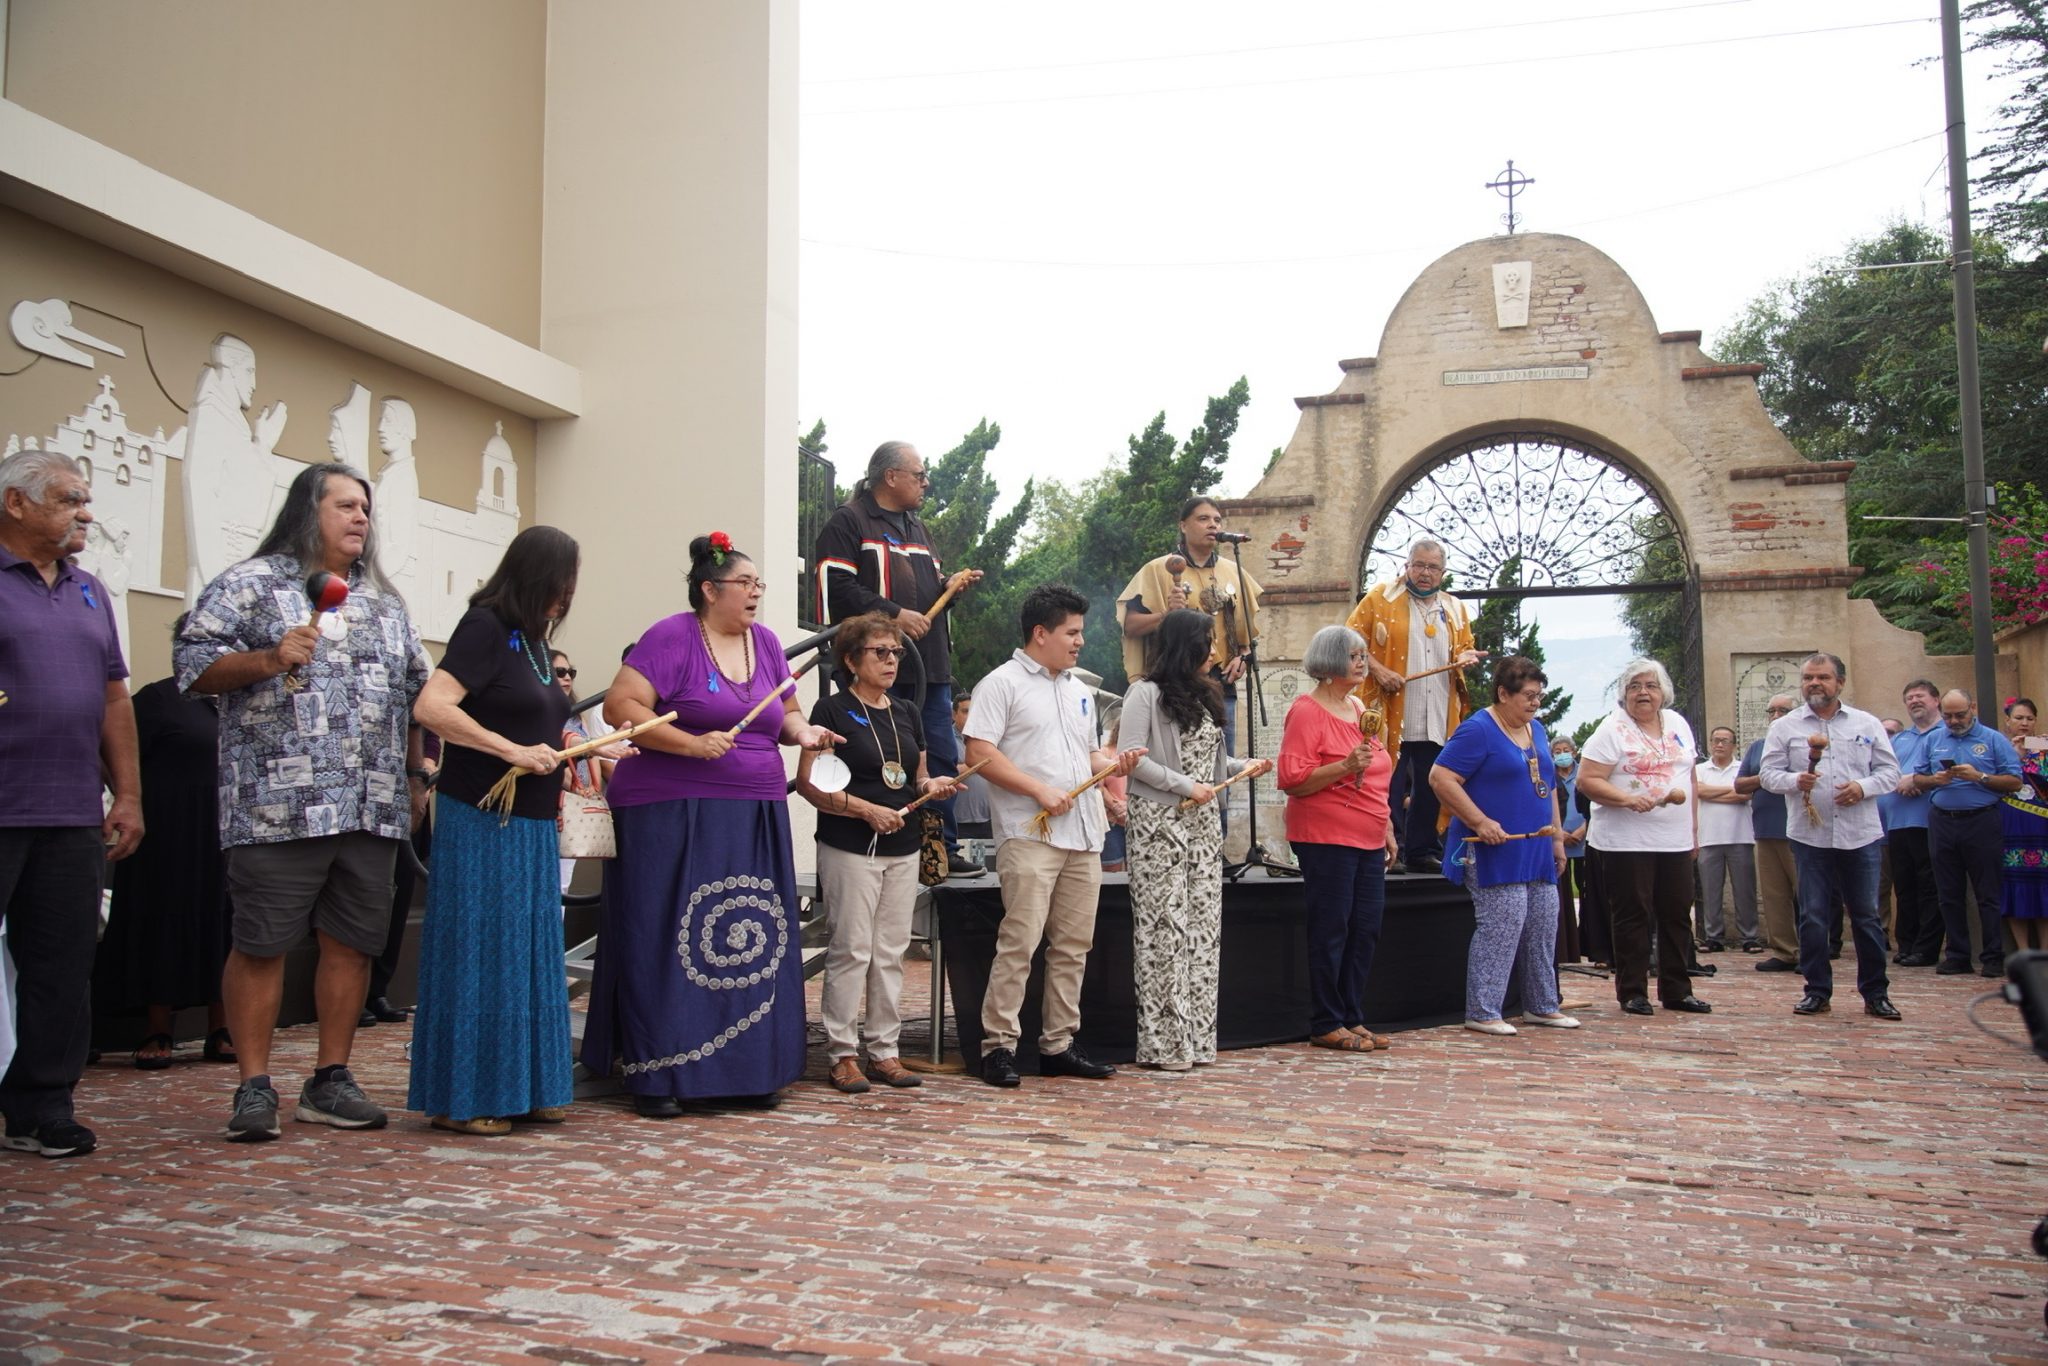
2013	163
1860	364
1498	630
1656	622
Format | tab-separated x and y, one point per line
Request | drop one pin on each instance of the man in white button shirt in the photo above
1832	819
1727	844
1034	725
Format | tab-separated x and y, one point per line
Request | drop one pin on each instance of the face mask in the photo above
1564	762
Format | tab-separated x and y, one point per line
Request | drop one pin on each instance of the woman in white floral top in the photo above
1638	771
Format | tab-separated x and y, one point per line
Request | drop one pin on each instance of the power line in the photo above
1326	43
1366	75
1350	255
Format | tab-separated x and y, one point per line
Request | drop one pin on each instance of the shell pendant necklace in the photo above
893	772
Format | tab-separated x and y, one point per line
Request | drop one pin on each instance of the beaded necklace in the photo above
718	671
543	668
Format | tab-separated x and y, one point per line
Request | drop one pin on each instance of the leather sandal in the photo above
1379	1042
220	1047
484	1126
1343	1040
153	1062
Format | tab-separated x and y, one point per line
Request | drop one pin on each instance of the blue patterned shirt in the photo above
328	759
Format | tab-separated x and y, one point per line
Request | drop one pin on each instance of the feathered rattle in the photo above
1816	746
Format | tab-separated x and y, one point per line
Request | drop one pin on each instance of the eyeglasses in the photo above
747	583
1536	774
921	476
566	672
884	651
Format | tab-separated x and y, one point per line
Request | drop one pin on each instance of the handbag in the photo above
932	864
583	825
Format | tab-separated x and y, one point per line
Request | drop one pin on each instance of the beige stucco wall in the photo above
2027	648
1753	514
166	326
671	280
404	136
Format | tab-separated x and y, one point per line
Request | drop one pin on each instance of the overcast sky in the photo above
1069	216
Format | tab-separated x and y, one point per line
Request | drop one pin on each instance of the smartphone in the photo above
1948	763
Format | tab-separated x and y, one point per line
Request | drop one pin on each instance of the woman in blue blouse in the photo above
1496	778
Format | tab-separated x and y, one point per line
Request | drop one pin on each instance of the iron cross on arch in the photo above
1510	183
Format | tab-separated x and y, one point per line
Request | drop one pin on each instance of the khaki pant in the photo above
1048	894
868	905
1777	883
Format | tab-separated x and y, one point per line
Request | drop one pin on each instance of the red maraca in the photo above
326	592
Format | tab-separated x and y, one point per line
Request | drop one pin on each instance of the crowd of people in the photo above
305	734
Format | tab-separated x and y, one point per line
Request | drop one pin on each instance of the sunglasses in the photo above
566	672
884	651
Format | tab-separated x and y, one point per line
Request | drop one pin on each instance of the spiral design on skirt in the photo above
734	933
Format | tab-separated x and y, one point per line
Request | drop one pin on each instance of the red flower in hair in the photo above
721	546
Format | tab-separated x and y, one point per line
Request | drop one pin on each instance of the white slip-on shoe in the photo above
1490	1026
1557	1021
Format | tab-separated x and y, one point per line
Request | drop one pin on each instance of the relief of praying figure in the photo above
228	466
396	505
348	428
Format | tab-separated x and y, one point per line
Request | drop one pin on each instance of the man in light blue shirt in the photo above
1917	930
1967	768
1831	815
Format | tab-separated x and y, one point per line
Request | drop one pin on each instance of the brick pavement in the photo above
1737	1187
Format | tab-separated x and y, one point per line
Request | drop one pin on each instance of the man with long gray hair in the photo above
321	778
64	717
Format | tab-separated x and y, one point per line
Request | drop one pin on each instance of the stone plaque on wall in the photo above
1759	678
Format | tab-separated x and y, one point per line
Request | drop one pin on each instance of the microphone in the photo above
1232	537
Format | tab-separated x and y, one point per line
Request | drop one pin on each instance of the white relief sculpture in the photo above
124	543
396	503
437	554
45	326
107	555
1511	293
348	428
230	466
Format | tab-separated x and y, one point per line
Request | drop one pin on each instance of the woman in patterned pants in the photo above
1176	856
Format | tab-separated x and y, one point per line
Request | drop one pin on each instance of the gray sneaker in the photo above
338	1101
255	1117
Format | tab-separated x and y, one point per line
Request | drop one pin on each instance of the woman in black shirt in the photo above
867	851
491	1040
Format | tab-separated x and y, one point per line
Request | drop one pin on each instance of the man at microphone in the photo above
1195	574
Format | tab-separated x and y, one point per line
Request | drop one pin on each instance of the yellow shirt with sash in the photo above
1214	588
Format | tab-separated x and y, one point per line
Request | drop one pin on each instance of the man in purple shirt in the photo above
65	717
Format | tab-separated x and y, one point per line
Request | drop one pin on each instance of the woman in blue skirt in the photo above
491	1038
698	989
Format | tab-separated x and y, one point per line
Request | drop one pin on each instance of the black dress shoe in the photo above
657	1107
369	1017
381	1007
1952	967
1691	1005
959	865
1914	960
1882	1007
1639	1005
1073	1063
1775	965
1701	970
1994	968
1812	1003
999	1067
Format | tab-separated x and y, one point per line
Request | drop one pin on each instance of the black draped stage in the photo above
1418	975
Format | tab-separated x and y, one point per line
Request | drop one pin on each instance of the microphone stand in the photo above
1255	855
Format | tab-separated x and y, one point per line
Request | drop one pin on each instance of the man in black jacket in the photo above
875	556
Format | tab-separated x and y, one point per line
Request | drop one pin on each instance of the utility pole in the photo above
1975	491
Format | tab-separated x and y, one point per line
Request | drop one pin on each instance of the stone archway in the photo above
1546	334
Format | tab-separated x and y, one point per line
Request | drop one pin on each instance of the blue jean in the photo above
942	760
1345	891
1828	877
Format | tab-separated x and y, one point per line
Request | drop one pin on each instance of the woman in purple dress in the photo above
698	990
